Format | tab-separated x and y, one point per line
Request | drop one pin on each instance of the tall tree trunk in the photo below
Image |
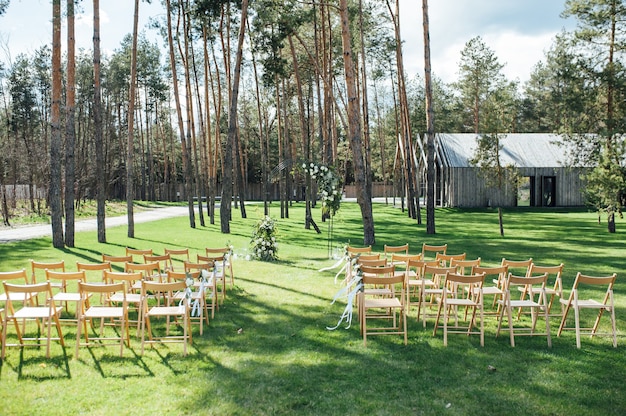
227	183
179	113
55	139
405	130
97	117
262	134
70	131
131	134
430	128
365	104
305	137
354	122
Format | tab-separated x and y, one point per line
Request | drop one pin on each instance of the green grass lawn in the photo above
268	352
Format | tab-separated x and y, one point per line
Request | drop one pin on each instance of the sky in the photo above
519	31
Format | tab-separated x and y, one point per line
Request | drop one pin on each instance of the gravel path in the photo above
11	234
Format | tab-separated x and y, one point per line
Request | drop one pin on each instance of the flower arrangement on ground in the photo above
264	245
330	186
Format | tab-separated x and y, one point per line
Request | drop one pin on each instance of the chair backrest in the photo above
372	263
14	275
189	266
211	258
178	254
597	281
355	251
147	270
66	281
42	266
520	267
173	276
85	289
169	289
382	276
463	280
403	259
498	273
99	268
446	259
127	278
418	266
372	256
534	284
555	271
32	289
389	250
381	271
433	249
216	251
117	261
164	261
464	265
138	252
437	273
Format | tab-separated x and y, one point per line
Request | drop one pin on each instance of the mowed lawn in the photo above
268	351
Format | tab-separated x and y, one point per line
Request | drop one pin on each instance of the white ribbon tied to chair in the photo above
205	279
346	261
349	292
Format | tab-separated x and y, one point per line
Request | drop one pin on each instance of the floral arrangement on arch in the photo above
330	186
264	245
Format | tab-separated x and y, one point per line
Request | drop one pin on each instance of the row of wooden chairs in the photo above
112	309
518	287
65	287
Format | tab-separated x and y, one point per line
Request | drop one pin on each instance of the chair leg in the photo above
509	314
577	319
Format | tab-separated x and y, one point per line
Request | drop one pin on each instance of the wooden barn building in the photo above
539	159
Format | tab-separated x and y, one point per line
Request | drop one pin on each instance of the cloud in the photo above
517	31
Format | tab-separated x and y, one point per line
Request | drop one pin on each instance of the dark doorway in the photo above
548	191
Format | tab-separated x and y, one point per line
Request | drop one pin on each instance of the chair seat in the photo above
104	312
383	303
33	312
460	302
589	304
130	297
67	297
166	310
194	295
490	290
524	304
16	297
377	292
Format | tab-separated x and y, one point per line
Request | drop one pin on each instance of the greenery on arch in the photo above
330	186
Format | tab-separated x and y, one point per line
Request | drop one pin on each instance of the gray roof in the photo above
533	150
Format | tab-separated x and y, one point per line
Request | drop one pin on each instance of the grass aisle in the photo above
268	352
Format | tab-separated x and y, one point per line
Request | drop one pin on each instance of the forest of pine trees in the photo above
294	103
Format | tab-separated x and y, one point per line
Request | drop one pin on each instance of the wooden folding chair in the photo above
202	289
169	309
432	250
177	254
138	252
453	297
391	308
445	260
68	293
87	313
94	272
48	314
532	285
575	302
118	262
228	260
